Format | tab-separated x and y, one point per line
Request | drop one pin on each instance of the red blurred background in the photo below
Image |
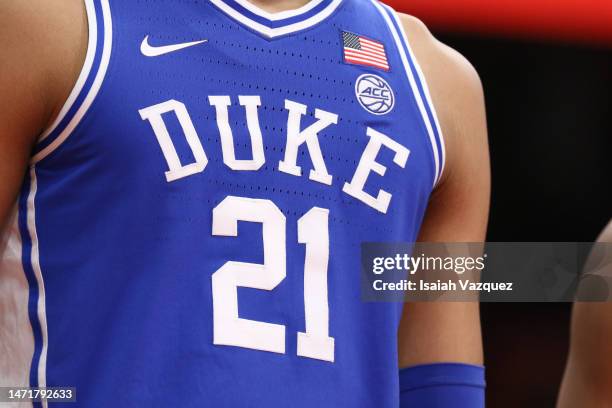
576	20
546	68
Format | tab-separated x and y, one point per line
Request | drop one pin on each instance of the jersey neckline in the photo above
273	25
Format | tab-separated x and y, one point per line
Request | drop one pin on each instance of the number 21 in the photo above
313	231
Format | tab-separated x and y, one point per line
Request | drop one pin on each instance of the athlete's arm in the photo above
588	375
458	208
42	45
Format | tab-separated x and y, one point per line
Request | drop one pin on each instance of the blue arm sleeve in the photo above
442	385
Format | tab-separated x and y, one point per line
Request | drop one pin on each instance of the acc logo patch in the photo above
374	94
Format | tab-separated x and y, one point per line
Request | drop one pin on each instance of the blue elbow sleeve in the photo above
442	385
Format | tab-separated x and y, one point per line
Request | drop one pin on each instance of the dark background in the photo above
549	109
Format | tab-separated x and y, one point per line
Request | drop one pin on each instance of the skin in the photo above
43	49
459	206
43	45
588	376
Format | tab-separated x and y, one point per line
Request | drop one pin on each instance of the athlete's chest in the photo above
189	101
315	135
192	99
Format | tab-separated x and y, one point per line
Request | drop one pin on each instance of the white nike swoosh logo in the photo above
151	51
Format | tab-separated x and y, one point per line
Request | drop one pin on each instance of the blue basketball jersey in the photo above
189	230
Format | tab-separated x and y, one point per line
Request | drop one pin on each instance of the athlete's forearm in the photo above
577	391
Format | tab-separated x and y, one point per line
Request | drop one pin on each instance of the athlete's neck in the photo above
276	6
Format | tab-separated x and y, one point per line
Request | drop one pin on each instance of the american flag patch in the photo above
363	51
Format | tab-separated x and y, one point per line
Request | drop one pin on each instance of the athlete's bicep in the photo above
588	376
39	54
22	108
458	208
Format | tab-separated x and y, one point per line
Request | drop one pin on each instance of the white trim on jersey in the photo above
95	87
278	31
16	335
35	260
425	90
85	70
281	15
414	87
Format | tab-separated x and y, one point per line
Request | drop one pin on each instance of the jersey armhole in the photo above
419	87
87	84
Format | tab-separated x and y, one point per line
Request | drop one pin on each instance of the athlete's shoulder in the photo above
440	62
42	45
455	86
606	234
